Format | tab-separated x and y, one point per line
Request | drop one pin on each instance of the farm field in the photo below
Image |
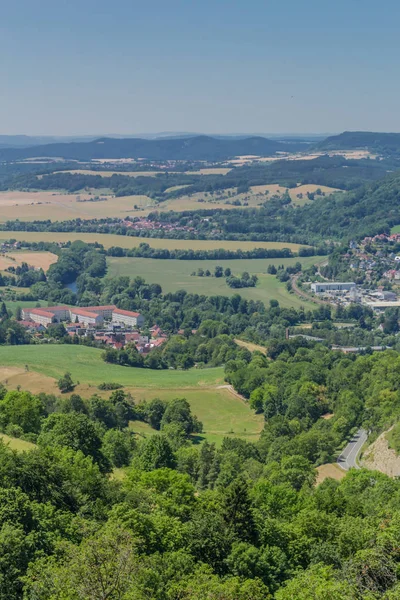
205	171
110	173
34	259
124	241
58	206
221	412
254	197
173	275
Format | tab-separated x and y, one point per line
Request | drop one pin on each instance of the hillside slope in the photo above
194	148
353	140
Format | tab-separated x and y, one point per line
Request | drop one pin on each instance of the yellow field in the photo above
123	241
254	197
110	173
34	259
210	171
56	206
206	171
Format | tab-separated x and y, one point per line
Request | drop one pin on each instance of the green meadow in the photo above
173	275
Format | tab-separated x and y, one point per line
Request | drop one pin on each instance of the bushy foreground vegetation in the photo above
238	523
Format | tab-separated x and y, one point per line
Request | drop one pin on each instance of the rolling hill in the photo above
194	148
353	140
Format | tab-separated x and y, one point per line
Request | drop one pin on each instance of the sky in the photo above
72	67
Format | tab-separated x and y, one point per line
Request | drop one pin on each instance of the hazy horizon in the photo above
74	69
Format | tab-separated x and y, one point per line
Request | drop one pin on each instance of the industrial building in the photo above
332	286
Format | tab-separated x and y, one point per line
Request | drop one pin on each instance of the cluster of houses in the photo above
108	325
143	224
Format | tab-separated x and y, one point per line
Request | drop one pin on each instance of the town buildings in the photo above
89	315
127	318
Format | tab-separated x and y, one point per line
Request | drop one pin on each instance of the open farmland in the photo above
125	241
58	206
221	412
173	275
39	260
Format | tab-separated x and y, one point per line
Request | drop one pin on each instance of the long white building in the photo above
127	317
88	315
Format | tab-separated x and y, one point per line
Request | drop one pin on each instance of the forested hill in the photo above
367	210
195	148
352	140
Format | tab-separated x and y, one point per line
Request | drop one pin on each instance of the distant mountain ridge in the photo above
355	140
194	148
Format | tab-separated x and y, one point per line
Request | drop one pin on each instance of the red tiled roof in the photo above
95	308
29	324
127	313
83	312
55	308
41	312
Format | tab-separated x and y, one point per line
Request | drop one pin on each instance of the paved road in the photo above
348	458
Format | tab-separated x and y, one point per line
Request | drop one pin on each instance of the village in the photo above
374	266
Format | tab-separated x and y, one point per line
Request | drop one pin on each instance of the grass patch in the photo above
252	347
222	413
86	365
173	275
16	443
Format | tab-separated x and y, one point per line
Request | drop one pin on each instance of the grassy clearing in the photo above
330	470
12	305
176	274
86	365
252	347
108	240
16	443
395	229
222	413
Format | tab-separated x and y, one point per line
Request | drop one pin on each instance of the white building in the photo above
332	286
105	311
82	315
127	317
40	315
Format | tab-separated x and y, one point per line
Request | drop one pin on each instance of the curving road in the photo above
348	458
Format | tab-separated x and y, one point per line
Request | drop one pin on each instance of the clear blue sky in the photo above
121	66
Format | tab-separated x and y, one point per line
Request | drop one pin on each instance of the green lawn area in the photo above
395	229
173	275
86	365
222	413
13	304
